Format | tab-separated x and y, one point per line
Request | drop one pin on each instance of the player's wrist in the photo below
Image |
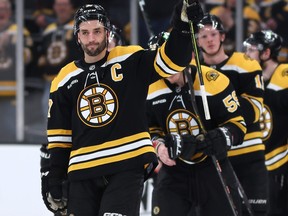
157	143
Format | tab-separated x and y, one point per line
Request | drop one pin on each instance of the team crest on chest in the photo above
97	105
183	122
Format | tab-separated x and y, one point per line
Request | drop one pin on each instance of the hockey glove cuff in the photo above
173	142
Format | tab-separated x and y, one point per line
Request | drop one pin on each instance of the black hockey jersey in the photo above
274	120
97	111
57	49
8	40
246	76
169	108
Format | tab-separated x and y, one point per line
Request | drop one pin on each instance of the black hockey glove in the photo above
215	142
185	12
54	189
173	142
189	147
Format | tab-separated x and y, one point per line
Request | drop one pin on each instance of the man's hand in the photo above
162	152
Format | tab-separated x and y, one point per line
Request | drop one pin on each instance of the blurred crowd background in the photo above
48	44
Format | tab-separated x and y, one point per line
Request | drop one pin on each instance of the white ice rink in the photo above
20	182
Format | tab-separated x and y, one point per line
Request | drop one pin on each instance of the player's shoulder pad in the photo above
64	74
50	28
214	81
157	88
279	78
242	63
13	29
122	52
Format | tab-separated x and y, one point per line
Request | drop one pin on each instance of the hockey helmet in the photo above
213	20
265	39
157	40
90	12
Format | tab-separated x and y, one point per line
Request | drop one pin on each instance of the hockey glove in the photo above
184	12
173	142
215	142
189	147
54	192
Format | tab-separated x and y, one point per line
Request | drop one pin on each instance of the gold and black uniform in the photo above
248	158
97	111
274	125
57	49
169	110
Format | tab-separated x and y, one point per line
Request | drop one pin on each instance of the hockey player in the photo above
97	128
191	181
264	46
248	159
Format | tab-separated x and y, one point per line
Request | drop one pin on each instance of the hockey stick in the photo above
202	87
207	116
145	17
203	130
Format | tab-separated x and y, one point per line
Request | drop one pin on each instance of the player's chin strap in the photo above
202	128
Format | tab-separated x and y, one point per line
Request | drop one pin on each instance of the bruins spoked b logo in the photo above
97	105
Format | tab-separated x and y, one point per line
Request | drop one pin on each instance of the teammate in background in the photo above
227	14
191	181
8	40
264	46
248	159
93	138
58	46
115	38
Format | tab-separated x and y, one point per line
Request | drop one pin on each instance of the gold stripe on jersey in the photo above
7	88
111	144
257	104
156	131
59	138
110	152
279	79
52	132
276	158
239	122
111	159
64	75
59	145
242	64
244	148
163	64
252	142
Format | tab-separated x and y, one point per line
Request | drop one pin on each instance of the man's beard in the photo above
97	51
